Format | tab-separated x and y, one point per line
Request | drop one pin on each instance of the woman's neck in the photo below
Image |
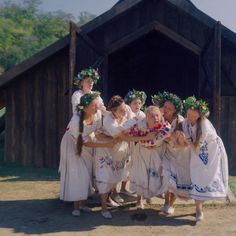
88	118
85	91
172	119
118	118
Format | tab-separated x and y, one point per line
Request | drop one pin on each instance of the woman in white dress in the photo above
112	165
209	164
146	176
84	83
135	100
176	159
77	152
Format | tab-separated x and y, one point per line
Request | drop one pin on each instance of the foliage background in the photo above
25	30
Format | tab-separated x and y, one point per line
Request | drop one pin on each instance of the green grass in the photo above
9	171
232	184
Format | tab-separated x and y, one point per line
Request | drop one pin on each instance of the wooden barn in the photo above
153	45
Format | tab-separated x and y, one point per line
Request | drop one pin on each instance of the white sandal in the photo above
106	214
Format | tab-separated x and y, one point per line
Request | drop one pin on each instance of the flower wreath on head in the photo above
161	98
134	94
86	100
194	104
86	73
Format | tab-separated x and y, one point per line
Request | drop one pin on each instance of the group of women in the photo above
157	151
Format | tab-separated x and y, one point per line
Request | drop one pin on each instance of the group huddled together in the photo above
171	149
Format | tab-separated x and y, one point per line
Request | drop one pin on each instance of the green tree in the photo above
25	30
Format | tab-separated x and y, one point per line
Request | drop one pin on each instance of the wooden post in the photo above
217	77
105	79
72	61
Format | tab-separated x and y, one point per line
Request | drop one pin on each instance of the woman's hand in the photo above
112	143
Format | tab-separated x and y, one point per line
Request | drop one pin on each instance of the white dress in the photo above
75	100
76	171
177	166
140	115
112	164
209	163
146	175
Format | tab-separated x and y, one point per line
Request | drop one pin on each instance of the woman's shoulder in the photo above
108	118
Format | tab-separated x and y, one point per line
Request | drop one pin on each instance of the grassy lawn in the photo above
19	175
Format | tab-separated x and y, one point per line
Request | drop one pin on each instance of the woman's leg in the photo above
199	205
199	213
104	197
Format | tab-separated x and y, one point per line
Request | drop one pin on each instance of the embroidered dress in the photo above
146	175
75	100
112	164
209	164
75	171
177	166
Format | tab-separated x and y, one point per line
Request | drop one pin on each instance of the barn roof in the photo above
120	7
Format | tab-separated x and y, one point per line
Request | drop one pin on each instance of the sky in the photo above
222	10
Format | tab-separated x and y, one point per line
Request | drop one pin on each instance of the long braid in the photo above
198	132
81	129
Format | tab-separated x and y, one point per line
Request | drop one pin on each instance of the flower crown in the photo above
83	74
134	94
86	100
194	104
161	98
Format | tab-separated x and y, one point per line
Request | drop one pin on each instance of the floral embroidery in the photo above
115	166
215	187
204	153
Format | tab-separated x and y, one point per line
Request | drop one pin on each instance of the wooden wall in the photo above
228	128
37	113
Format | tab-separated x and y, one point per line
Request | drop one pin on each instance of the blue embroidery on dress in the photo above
153	173
184	186
204	153
180	186
215	187
115	166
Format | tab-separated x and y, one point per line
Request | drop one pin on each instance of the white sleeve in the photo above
101	103
110	126
99	121
129	123
208	131
74	126
75	100
129	112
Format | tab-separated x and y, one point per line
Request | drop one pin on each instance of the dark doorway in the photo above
153	63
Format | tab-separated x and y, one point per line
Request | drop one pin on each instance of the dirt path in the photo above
32	208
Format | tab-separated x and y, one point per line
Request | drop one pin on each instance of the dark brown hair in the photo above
81	129
114	103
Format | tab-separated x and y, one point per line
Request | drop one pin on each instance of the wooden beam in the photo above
91	44
178	38
105	79
72	59
131	37
217	76
115	11
9	75
161	29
